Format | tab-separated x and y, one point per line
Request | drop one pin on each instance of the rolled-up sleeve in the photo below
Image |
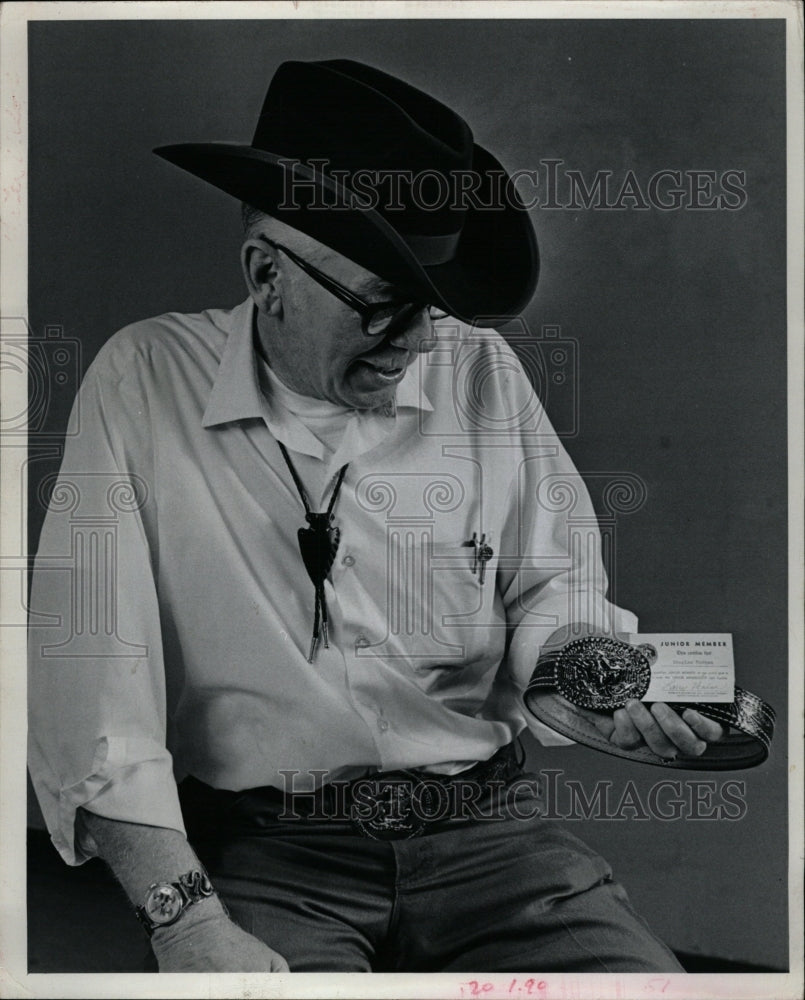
97	702
552	574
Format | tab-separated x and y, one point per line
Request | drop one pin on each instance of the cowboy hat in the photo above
387	176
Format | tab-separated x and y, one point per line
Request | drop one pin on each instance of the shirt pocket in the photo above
455	612
436	608
455	591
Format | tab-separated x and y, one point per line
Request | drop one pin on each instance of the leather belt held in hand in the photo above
601	674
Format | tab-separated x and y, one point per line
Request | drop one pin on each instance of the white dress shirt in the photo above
171	613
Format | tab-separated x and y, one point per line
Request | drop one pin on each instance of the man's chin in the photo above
373	400
367	388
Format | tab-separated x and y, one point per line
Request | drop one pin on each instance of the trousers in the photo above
501	890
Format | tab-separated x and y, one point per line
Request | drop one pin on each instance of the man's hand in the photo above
204	939
661	729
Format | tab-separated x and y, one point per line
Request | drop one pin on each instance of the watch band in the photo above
602	674
165	902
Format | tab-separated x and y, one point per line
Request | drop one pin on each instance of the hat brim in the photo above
491	277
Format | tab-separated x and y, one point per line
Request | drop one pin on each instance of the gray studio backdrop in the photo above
676	319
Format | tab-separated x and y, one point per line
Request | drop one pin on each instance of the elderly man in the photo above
279	689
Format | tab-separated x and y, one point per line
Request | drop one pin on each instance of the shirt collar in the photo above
236	393
411	392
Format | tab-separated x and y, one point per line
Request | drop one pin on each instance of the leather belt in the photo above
387	805
578	676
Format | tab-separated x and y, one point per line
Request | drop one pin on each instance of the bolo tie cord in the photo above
318	544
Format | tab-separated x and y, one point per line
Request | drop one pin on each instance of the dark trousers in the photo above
503	892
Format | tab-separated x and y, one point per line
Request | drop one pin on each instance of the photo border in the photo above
15	981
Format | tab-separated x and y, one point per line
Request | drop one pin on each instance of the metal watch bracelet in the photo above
166	902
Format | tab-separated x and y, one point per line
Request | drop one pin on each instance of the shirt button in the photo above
382	725
348	561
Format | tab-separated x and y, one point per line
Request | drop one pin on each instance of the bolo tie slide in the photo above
318	544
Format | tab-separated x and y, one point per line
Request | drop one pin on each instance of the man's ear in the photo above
260	271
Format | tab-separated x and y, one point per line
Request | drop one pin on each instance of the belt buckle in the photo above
601	673
389	808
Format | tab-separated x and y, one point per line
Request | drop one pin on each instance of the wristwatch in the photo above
165	902
601	673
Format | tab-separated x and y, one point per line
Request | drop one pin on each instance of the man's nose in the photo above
417	335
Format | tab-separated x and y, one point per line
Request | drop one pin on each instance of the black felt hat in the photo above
387	176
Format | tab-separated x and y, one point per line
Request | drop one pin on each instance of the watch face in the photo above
602	673
163	903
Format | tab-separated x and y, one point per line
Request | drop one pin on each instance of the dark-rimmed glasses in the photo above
377	318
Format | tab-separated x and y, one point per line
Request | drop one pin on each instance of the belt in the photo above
581	676
387	805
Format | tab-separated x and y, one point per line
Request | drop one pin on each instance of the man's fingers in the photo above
603	723
649	728
626	734
677	731
664	731
618	728
707	729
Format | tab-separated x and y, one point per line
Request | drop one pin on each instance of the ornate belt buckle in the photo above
601	673
390	809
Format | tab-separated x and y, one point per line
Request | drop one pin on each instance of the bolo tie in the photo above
318	544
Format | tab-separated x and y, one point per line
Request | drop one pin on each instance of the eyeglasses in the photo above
377	318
